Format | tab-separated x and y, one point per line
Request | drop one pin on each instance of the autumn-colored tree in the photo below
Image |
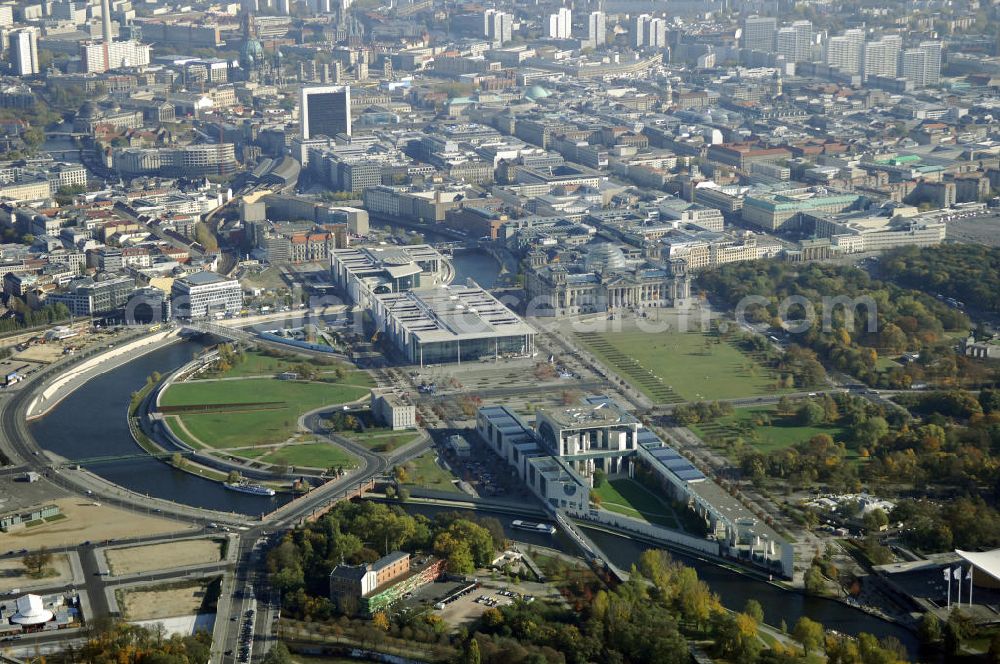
381	621
809	633
37	562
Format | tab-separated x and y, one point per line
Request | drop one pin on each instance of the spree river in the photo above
734	589
478	265
92	422
474	263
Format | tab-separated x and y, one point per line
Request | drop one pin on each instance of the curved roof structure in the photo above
31	611
985	561
605	257
536	92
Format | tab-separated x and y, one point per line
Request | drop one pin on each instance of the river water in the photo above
734	589
62	148
477	265
91	423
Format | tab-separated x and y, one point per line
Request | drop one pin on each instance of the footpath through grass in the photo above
672	367
271	411
381	439
311	455
630	498
257	363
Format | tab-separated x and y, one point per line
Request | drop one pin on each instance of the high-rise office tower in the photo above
24	52
639	29
656	33
325	111
597	29
649	32
881	58
498	26
99	57
922	65
785	43
913	66
933	49
561	24
759	33
795	42
844	51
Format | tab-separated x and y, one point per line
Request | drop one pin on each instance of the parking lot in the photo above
483	469
31	353
485	594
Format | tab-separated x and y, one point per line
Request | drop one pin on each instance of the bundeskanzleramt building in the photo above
549	477
558	458
204	294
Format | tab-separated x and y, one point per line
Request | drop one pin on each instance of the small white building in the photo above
392	410
31	611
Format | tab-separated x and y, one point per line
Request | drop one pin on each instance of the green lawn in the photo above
260	364
312	455
273	423
381	439
257	390
173	422
630	498
250	452
424	471
886	363
671	367
783	431
270	278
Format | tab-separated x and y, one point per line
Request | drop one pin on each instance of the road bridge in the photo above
73	153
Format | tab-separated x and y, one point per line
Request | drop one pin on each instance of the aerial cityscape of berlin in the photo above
499	331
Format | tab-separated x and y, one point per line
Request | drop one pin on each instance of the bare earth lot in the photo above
12	574
86	521
137	559
141	604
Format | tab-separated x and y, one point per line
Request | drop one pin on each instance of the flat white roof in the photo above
450	314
